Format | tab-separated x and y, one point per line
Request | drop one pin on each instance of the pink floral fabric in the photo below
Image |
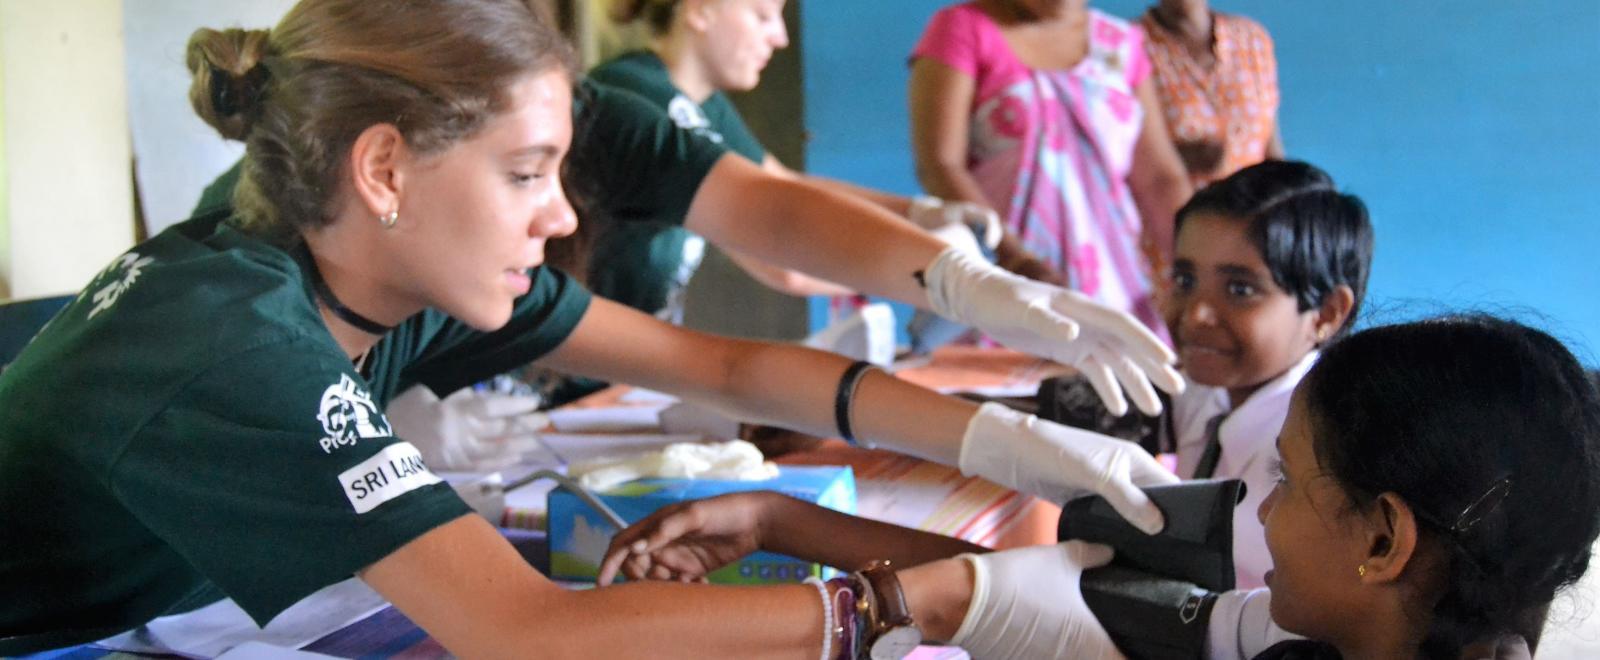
1053	148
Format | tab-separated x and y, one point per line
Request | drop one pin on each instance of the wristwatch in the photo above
891	633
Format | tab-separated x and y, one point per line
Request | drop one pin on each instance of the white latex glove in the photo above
1241	626
1058	463
468	430
1105	345
1026	604
932	213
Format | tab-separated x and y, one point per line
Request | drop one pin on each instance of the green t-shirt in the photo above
643	73
187	428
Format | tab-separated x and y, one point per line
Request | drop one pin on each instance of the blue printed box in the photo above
579	536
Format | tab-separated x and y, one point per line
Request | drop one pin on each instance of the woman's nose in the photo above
556	220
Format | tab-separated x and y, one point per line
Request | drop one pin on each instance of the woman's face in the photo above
1315	540
474	218
737	39
1233	327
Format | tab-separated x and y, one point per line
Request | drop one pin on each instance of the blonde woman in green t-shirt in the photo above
205	418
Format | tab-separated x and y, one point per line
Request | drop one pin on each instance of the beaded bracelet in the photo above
828	621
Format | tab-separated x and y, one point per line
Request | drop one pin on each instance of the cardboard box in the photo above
579	536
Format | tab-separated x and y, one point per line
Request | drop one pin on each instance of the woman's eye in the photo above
522	179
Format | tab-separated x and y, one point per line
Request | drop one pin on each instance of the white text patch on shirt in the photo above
396	470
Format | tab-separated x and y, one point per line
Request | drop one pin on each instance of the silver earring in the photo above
388	221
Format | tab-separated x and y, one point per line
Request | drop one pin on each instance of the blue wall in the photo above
1470	127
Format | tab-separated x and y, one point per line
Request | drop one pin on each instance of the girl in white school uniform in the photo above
1271	263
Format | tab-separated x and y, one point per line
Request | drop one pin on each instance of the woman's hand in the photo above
1026	603
687	541
1058	463
1107	346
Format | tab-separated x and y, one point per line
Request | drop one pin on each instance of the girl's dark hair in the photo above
657	14
1490	431
1312	237
300	94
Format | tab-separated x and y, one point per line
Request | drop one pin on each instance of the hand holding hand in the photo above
687	541
1026	603
1058	462
1107	346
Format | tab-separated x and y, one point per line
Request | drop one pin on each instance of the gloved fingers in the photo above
1136	339
1088	555
1125	497
1135	383
1047	324
1164	376
1100	377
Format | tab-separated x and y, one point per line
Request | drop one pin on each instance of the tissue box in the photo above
579	536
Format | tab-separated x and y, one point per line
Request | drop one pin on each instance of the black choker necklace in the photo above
345	314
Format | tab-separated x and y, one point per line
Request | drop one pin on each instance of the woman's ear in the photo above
377	160
1332	313
1392	535
696	14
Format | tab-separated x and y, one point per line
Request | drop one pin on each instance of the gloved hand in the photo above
1026	604
932	213
1105	345
468	430
1058	462
1241	626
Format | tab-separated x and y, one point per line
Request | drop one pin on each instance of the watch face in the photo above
896	643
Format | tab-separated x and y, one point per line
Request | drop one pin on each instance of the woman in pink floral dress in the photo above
1044	110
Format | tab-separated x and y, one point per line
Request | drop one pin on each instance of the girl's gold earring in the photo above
1361	570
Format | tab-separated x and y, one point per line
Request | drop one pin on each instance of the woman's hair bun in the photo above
230	78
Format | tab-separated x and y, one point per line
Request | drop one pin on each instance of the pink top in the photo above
1052	149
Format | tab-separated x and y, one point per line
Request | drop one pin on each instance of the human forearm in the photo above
786	281
464	585
896	204
820	232
805	530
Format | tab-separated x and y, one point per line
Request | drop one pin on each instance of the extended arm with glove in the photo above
1107	346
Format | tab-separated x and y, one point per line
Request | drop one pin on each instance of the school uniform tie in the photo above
1213	452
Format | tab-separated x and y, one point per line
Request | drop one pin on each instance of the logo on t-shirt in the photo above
348	414
124	271
688	116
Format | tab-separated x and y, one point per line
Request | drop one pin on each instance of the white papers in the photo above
216	628
606	420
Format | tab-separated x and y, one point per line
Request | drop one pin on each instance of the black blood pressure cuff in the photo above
1155	597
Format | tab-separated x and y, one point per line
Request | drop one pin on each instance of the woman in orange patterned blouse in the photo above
1218	83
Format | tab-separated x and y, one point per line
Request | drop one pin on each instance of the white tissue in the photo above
735	460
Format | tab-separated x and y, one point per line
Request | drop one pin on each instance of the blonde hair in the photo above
299	94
